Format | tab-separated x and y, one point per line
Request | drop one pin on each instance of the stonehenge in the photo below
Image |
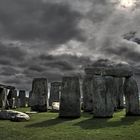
103	92
55	92
116	89
22	98
70	98
39	95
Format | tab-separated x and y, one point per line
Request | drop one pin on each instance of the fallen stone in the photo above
55	107
31	112
14	116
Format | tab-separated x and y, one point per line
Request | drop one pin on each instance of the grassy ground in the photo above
46	126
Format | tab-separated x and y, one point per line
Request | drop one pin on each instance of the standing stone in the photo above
16	98
30	99
87	94
119	92
12	98
55	92
70	98
22	98
3	98
131	96
39	95
102	96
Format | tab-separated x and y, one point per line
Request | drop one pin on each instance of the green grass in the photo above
46	126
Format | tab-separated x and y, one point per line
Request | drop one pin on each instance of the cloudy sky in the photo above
53	38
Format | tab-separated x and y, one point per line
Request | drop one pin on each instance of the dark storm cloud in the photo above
128	53
131	36
30	20
11	52
8	71
53	67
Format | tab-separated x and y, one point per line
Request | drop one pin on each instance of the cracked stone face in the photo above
39	95
70	98
55	92
102	96
131	96
87	88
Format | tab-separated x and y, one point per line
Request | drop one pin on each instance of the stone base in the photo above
39	108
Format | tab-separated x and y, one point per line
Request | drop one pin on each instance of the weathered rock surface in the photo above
22	98
118	89
14	115
131	96
12	98
102	96
55	92
87	94
39	95
70	98
3	98
30	99
110	71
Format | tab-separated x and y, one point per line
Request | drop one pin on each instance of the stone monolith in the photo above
102	96
22	98
70	98
55	92
87	94
39	95
131	96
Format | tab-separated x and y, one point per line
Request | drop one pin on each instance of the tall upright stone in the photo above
131	96
55	92
102	96
3	98
22	98
119	93
39	95
30	99
16	98
87	94
12	98
70	98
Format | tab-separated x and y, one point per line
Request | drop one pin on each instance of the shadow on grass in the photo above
49	123
97	123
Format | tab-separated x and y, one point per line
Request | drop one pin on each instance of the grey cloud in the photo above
8	71
55	23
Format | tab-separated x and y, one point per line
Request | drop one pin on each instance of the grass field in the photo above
46	126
